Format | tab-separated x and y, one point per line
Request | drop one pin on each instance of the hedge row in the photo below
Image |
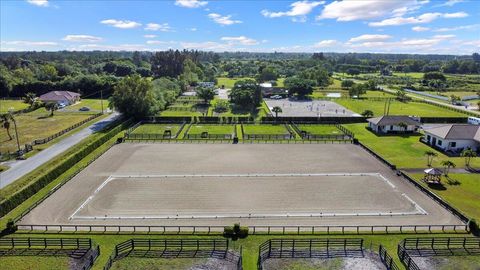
16	199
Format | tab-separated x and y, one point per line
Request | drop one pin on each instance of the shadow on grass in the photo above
439	187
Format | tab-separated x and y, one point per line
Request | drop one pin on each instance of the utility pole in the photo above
101	98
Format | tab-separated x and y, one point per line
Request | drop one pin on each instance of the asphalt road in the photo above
19	168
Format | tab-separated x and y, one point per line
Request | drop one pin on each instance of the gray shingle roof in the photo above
393	120
59	95
456	132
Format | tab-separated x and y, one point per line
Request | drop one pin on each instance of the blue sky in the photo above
392	26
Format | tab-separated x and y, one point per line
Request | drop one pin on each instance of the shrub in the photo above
473	227
221	106
235	232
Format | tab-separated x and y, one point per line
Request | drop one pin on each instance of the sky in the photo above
379	26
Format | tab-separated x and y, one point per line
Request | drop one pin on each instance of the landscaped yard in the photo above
320	129
397	108
230	82
37	125
461	190
14	105
156	129
404	151
94	105
211	129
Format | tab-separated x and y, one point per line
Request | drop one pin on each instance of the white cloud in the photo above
243	40
207	45
351	10
223	20
164	27
120	47
193	29
450	3
81	38
326	43
190	3
123	24
462	27
149	36
424	18
443	37
159	42
370	38
420	29
298	10
40	3
30	43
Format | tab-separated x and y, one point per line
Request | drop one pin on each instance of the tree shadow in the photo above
452	182
439	187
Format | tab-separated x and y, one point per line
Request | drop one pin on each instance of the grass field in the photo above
229	82
38	125
320	129
397	107
33	262
93	104
404	151
156	129
265	129
461	190
9	104
211	129
151	264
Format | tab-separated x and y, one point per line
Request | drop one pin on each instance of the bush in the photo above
235	232
221	106
473	227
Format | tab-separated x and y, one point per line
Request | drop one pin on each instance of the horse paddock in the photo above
255	184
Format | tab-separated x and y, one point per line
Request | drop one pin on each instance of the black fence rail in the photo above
175	248
309	248
253	230
444	120
45	243
201	119
60	133
436	246
405	258
387	260
287	136
209	136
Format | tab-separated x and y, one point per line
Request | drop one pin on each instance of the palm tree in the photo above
276	110
447	164
468	154
430	155
30	98
6	125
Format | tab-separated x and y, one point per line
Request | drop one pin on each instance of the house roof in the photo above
433	171
456	132
59	95
393	120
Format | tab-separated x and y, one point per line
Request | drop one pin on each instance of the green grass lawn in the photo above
403	151
156	129
320	129
397	108
414	75
10	104
265	129
37	125
461	190
380	94
93	104
33	262
211	129
230	82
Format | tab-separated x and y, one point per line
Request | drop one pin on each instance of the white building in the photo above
453	137
393	124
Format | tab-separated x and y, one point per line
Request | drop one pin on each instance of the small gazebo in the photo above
432	176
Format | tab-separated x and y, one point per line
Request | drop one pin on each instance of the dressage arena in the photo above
255	184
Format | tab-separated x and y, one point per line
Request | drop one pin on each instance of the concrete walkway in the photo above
19	168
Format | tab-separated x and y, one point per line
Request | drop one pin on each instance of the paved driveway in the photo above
19	168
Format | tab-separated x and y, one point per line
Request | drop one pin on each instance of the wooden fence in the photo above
309	248
175	248
253	230
387	260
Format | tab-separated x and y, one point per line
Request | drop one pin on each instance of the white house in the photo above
393	124
453	137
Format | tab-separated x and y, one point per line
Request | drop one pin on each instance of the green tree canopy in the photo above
246	93
299	86
135	97
205	93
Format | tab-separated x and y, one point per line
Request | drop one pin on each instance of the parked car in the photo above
84	109
61	105
276	97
